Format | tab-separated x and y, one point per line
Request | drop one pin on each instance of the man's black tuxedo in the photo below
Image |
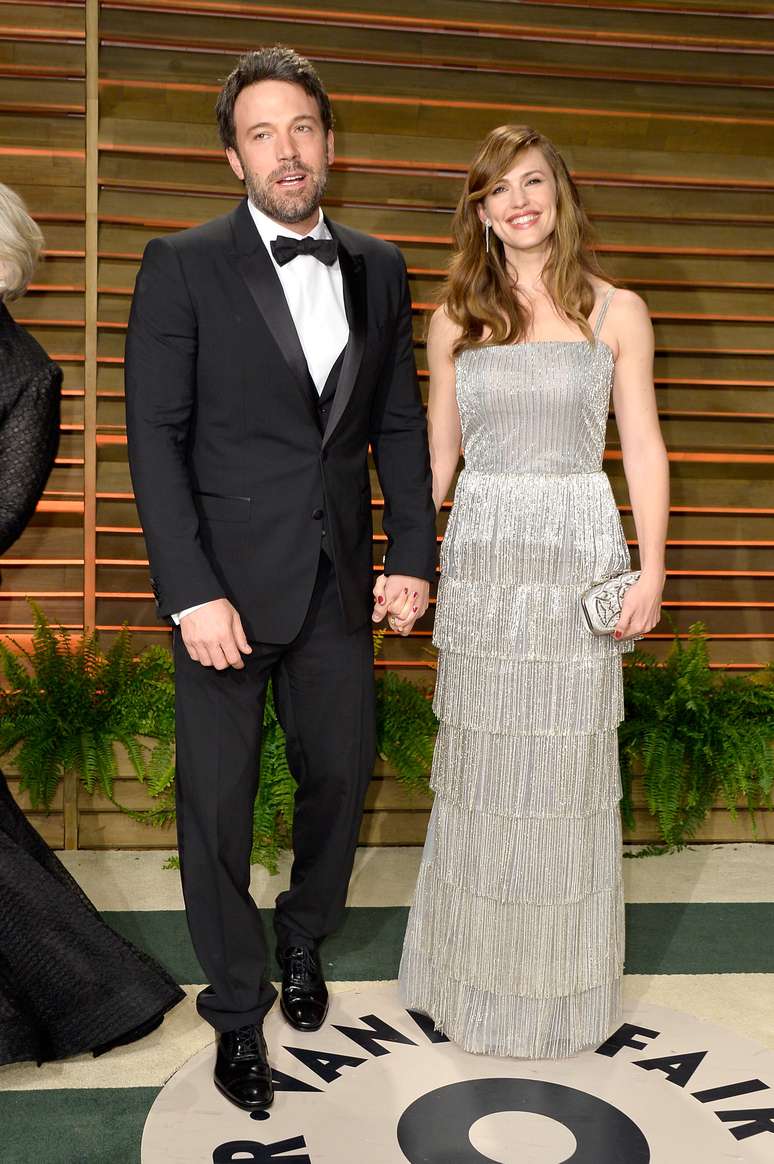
234	479
252	486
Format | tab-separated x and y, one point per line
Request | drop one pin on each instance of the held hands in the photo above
641	608
214	637
402	599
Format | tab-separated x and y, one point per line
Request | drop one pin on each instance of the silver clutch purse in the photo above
601	603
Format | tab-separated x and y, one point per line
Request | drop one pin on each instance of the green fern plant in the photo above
159	781
66	704
697	738
273	808
405	730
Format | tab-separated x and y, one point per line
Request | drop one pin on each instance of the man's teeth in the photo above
292	179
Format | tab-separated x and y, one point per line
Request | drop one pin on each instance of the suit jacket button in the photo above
317	514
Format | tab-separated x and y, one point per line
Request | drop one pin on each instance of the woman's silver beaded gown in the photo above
514	944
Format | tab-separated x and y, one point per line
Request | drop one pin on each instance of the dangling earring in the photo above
487	226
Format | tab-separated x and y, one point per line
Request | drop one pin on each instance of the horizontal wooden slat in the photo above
719	827
494	83
392	817
498	33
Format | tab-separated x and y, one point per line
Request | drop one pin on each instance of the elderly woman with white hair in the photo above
68	983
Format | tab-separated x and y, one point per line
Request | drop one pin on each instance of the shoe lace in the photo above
247	1040
300	962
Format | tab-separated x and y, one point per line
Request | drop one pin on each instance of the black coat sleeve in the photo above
160	378
29	438
401	453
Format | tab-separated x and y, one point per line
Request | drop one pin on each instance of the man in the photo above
265	351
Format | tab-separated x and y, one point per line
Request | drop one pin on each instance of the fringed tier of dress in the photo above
537	775
535	860
487	1023
525	620
535	696
510	529
540	951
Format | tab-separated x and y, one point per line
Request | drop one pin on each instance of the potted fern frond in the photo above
67	703
405	730
697	738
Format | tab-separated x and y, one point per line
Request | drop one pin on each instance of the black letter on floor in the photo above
379	1030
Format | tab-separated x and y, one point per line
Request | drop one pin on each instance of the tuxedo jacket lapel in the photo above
354	280
257	270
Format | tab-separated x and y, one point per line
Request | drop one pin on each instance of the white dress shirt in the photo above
314	294
315	297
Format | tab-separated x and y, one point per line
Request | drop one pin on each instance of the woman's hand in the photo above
402	599
641	609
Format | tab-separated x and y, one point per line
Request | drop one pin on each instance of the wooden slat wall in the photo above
42	156
665	113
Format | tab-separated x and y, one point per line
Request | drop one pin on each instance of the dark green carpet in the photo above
673	938
703	938
89	1126
367	948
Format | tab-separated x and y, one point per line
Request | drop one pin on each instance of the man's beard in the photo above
285	206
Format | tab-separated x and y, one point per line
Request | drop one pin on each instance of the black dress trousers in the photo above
324	691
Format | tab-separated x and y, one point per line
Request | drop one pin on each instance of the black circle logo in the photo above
435	1128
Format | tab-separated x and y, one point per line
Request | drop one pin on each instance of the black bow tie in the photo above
286	249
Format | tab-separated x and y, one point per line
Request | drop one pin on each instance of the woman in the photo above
515	941
68	983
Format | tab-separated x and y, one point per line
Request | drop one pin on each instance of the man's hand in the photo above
402	599
214	637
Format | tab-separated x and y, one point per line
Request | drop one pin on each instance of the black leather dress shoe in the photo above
242	1071
304	995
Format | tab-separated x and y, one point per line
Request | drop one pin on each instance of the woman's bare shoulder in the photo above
627	309
626	300
624	303
443	332
629	319
442	323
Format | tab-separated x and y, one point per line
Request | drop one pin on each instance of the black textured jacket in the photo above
30	384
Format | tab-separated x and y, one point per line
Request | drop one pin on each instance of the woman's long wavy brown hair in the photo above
479	292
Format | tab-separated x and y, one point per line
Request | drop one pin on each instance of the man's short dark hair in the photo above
276	63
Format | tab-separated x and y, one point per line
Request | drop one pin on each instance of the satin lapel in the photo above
257	270
354	279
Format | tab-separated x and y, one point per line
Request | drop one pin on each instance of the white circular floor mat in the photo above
377	1086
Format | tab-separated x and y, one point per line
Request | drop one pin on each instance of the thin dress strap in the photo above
603	312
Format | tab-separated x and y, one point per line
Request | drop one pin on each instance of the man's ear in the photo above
331	151
234	162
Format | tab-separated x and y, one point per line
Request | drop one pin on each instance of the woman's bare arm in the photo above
443	417
644	457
